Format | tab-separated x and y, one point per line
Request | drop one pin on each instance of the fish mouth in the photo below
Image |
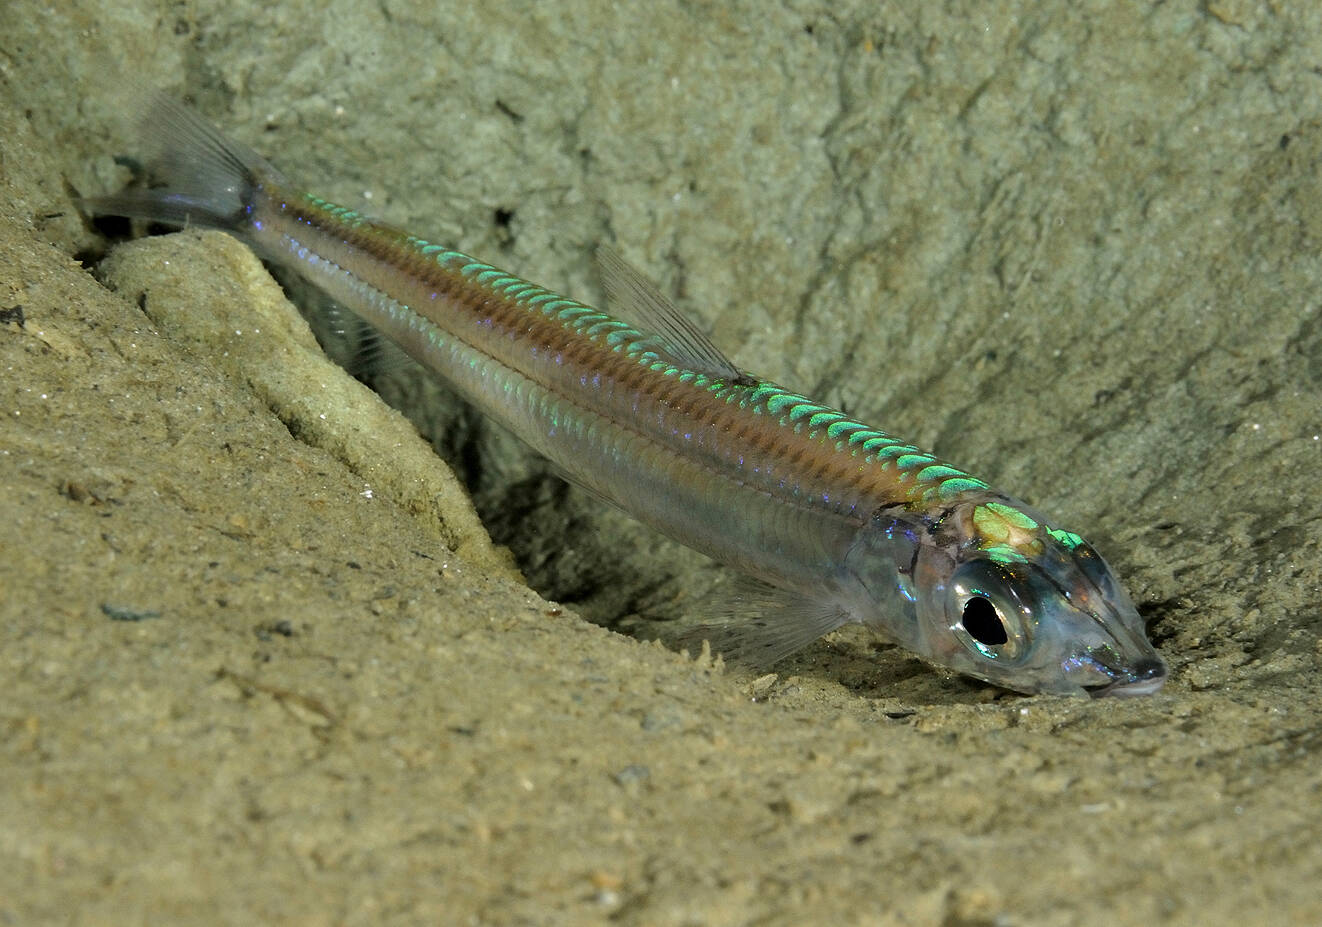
1146	677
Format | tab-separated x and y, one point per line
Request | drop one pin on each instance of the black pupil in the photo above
982	622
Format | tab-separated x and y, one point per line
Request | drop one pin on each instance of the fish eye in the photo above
983	623
987	612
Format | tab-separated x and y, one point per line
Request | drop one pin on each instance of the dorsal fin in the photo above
633	298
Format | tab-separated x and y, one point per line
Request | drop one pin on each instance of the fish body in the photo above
832	520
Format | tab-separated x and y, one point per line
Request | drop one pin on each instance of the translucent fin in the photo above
206	178
349	341
636	300
766	625
377	355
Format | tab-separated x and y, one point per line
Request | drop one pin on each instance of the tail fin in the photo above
205	178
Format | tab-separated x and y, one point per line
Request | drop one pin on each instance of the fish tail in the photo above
202	177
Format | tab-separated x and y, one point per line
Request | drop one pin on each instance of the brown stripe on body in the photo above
380	255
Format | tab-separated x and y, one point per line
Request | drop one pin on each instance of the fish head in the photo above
998	595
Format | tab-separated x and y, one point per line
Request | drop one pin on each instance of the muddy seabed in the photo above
262	663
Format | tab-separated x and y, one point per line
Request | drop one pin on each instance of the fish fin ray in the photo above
764	624
634	299
207	178
354	344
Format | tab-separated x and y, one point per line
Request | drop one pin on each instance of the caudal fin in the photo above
201	176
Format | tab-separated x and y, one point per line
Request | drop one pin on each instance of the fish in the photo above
829	520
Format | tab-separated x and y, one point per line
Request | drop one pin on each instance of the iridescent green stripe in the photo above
930	479
339	213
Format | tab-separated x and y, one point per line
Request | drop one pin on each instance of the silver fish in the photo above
832	520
